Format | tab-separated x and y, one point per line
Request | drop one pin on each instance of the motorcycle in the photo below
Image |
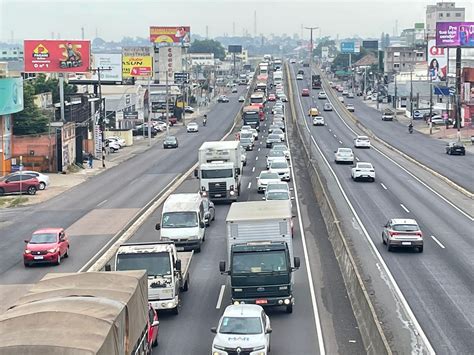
410	129
204	120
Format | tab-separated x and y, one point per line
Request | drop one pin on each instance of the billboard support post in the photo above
458	93
61	95
431	104
149	111
167	108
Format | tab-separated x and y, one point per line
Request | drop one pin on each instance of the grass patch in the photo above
4	201
18	201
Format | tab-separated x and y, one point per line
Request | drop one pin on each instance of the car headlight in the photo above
27	251
54	250
218	347
261	347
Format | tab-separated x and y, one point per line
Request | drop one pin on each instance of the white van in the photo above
183	221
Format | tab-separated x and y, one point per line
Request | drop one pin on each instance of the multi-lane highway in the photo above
437	284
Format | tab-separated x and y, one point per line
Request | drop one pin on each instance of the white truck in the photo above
167	269
260	253
220	170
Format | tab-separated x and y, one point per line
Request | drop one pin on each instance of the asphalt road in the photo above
428	151
437	284
95	210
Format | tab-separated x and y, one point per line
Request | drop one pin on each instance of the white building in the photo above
442	12
11	52
202	59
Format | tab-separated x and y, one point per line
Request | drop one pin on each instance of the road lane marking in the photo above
256	158
385	187
437	242
334	136
253	169
100	204
221	295
258	149
406	209
357	159
329	128
250	184
340	142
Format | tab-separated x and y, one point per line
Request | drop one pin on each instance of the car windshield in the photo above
364	166
277	131
277	187
156	264
216	174
405	227
282	148
244	135
279	165
269	176
345	151
276	153
273	137
179	220
246	140
170	139
278	195
241	325
362	138
43	238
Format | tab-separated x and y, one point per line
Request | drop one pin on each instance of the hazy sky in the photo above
37	19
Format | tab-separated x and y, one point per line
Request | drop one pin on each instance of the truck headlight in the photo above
257	348
164	239
232	192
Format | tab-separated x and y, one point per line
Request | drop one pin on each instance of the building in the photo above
442	12
202	59
11	52
401	58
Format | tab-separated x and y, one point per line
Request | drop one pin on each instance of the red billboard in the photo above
179	36
57	56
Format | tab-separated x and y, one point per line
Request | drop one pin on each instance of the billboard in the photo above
136	62
112	63
11	95
371	44
234	48
177	36
350	47
169	60
56	56
324	53
437	61
455	34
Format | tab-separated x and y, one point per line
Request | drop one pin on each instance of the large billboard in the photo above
455	34
437	61
111	65
136	62
56	56
324	53
177	36
234	48
170	60
350	47
11	95
371	44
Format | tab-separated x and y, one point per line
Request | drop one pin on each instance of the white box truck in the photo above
220	170
260	253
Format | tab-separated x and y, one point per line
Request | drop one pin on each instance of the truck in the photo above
101	313
277	77
251	116
316	81
220	170
167	270
260	261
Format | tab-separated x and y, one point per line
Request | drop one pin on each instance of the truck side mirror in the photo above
269	330
201	224
296	261
108	267
178	265
214	330
196	173
158	226
237	171
222	267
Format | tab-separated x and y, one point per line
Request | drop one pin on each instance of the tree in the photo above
42	84
31	120
208	46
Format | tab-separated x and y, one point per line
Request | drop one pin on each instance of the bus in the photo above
251	117
257	98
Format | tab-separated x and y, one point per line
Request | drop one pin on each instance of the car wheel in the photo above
389	247
42	185
31	190
66	254
2	191
289	308
176	310
383	240
186	285
58	262
420	249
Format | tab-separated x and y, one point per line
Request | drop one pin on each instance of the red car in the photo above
305	92
48	245
19	183
153	326
271	97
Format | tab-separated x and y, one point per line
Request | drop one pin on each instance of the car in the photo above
153	327
313	112
281	167
283	98
243	156
341	99
223	99
374	97
119	140
327	106
278	122
278	111
280	133
322	95
42	178
350	107
440	120
282	147
272	127
254	133
275	194
20	183
271	139
278	186
455	148
142	130
160	125
363	171
402	232
264	178
292	61
209	211
305	92
345	92
361	142
388	115
318	121
299	77
247	134
113	145
188	109
242	329
46	245
350	95
245	128
274	154
247	143
192	127
417	115
344	155
170	142
234	90
271	97
241	99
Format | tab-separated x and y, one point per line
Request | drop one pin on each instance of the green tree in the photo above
42	84
31	120
208	46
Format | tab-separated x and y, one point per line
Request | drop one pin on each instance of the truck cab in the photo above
251	117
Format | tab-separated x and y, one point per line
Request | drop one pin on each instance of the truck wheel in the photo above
176	310
186	285
289	308
155	343
198	249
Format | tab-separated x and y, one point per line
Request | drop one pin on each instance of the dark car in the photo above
455	148
19	183
143	131
170	142
223	98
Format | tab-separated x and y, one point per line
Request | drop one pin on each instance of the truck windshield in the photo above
256	100
251	116
241	325
156	264
216	174
179	220
258	262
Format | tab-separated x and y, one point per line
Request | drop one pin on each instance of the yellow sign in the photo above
137	62
180	104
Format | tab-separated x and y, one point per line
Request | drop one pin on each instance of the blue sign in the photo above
452	91
11	95
347	47
441	90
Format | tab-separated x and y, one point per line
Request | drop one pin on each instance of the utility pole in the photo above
458	92
431	104
310	72
167	107
411	94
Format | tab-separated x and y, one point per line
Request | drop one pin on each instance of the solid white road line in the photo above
406	209
250	184
253	169
221	295
100	204
437	242
385	187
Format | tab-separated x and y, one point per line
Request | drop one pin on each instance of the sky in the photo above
112	20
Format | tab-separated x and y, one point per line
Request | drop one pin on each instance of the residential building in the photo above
401	58
442	12
202	59
11	52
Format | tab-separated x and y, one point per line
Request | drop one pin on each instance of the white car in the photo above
192	127
318	121
243	156
273	155
282	147
361	142
42	178
283	98
344	155
119	140
322	95
188	109
246	128
363	171
345	92
281	167
280	133
265	178
160	125
112	145
350	107
299	77
341	99
350	95
243	328
280	185
247	134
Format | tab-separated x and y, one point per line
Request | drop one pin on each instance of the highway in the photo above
439	283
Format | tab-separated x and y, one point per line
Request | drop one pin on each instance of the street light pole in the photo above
311	48
167	108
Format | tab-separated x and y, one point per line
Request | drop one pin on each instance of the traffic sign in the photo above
452	91
181	77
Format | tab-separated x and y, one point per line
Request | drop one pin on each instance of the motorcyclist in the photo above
410	127
204	120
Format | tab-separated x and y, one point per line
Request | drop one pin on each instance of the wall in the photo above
42	148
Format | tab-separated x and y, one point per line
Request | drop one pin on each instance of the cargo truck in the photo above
251	116
316	81
167	270
260	261
220	170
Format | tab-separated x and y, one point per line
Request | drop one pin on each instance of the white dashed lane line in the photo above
256	158
406	209
250	184
357	158
253	169
438	242
385	187
340	142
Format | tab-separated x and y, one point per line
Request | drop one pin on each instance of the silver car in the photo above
401	232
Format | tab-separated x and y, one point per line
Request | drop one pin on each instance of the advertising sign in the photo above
56	56
437	61
234	49
178	36
324	53
347	47
170	60
181	77
136	62
11	95
371	44
112	65
455	34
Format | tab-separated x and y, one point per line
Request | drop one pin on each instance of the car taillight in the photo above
419	234
392	233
